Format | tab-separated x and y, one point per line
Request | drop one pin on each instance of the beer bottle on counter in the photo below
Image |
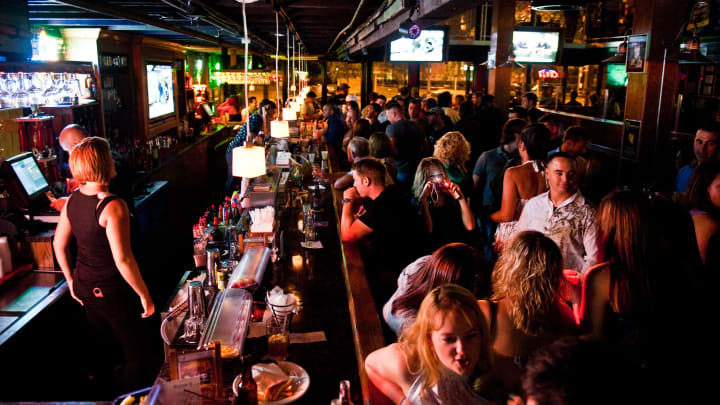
247	389
344	395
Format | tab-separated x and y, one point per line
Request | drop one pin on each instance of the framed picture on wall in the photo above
636	53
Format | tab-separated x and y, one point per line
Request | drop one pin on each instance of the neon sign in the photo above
548	74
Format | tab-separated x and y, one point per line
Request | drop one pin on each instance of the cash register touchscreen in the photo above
28	186
29	175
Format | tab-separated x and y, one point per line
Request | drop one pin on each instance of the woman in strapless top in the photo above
522	182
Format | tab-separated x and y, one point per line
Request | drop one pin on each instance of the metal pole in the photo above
277	53
287	78
657	122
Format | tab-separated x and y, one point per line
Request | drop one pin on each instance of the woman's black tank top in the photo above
95	265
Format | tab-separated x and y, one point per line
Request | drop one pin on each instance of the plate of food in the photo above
278	383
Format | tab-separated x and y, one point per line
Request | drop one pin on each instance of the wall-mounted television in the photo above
428	47
616	75
533	46
161	99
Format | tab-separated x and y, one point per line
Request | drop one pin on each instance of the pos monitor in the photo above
29	185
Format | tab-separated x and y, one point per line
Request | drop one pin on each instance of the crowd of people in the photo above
501	259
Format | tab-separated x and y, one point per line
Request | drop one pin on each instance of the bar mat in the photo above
28	299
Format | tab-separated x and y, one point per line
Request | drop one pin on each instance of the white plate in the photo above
301	384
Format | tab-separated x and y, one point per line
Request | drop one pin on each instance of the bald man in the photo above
70	136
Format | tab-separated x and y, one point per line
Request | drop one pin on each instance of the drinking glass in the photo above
278	333
21	98
35	89
5	95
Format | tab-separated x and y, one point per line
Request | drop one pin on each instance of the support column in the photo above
366	86
503	23
414	78
659	20
323	74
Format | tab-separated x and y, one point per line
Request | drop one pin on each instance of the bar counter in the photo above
316	277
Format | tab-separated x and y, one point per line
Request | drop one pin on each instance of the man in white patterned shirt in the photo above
563	215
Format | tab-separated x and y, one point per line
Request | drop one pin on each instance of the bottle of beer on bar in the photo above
344	395
247	389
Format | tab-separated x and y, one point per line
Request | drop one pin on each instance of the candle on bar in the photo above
297	262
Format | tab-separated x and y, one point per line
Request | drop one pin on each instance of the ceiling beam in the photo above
119	13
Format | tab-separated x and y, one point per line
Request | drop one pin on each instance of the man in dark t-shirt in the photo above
386	220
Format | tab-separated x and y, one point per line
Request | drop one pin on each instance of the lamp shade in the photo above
289	114
248	161
279	129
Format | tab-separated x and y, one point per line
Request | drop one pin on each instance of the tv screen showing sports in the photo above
428	47
160	90
536	46
29	174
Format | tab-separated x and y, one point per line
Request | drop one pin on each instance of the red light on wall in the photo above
548	74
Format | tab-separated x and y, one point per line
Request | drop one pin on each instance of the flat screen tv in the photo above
161	100
616	75
536	46
428	47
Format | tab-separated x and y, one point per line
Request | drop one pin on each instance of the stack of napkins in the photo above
262	219
271	381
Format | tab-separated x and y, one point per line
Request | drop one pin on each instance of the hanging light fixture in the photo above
557	5
691	54
247	161
620	56
511	62
278	128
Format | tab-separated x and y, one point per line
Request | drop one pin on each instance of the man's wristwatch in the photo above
347	200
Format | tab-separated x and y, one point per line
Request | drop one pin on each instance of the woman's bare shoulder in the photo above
390	362
705	223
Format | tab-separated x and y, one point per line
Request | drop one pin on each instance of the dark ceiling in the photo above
211	22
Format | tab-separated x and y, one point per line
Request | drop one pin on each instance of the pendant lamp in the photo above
278	129
248	161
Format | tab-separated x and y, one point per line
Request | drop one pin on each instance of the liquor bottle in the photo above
226	214
235	212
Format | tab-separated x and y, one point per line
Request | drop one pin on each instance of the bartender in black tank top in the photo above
105	277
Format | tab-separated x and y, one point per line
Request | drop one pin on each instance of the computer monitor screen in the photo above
536	46
29	175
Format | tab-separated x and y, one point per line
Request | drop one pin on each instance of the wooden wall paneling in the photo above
660	20
503	23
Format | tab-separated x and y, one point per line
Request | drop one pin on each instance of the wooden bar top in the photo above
367	329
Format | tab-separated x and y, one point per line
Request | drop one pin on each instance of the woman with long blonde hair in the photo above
526	310
443	358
